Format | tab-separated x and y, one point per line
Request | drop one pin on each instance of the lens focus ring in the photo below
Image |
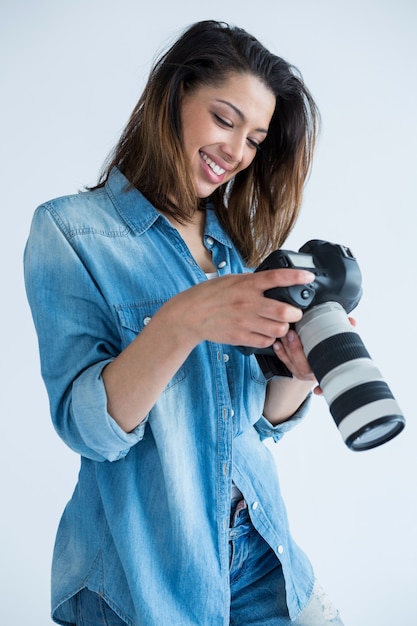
334	351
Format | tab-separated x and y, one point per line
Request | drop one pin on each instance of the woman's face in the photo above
223	127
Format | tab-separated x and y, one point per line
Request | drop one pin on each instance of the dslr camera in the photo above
360	402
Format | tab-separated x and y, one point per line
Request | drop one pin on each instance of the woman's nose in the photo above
234	148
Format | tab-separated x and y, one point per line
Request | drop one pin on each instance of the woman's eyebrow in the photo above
240	114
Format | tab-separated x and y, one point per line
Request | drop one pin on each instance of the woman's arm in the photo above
231	310
285	395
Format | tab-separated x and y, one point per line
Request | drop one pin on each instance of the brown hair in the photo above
260	205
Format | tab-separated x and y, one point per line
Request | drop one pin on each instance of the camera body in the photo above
361	403
338	277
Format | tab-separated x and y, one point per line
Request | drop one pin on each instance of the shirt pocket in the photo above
133	318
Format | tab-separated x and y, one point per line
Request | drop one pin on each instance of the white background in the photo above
71	72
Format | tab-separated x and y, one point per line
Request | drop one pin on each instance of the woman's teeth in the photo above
216	168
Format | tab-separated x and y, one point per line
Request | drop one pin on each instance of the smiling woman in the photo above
258	206
144	283
223	127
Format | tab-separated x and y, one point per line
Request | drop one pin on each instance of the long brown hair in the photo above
260	205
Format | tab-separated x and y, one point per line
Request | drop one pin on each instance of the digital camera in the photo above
360	402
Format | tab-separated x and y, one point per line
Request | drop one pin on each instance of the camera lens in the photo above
360	401
376	433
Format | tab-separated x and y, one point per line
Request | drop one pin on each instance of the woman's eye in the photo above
254	144
222	121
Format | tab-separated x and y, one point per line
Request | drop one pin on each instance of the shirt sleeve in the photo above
266	429
78	336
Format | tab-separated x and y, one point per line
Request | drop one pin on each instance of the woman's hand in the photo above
290	351
230	309
234	310
285	395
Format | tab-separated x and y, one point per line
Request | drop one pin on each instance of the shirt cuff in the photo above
100	433
266	429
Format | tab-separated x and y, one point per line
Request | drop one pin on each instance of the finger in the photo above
252	309
280	311
262	340
269	279
291	353
294	348
292	342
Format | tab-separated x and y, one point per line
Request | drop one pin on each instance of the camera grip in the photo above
272	366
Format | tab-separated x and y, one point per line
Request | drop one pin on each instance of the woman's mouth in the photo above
219	171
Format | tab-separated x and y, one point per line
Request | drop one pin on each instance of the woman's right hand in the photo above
230	309
233	310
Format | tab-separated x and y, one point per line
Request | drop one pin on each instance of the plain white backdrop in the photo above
71	72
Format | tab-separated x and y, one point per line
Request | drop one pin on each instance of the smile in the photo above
216	168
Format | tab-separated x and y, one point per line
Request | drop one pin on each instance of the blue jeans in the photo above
256	583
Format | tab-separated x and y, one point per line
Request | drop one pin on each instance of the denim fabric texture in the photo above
147	526
257	587
92	610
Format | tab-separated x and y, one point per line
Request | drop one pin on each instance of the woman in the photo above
140	290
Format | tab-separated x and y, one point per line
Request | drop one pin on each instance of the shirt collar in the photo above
139	214
214	229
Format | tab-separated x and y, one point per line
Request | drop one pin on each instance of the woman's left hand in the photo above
290	351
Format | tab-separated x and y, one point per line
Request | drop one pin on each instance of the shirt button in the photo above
255	506
209	241
225	357
222	264
146	320
280	549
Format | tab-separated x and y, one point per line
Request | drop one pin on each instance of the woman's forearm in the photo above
137	377
283	397
230	310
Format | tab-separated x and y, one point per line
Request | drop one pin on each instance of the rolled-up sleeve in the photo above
266	429
78	336
97	429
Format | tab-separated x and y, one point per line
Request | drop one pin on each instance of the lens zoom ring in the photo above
334	351
358	397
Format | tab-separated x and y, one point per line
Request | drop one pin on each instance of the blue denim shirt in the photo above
148	523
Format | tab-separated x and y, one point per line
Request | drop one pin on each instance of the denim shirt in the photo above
147	526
